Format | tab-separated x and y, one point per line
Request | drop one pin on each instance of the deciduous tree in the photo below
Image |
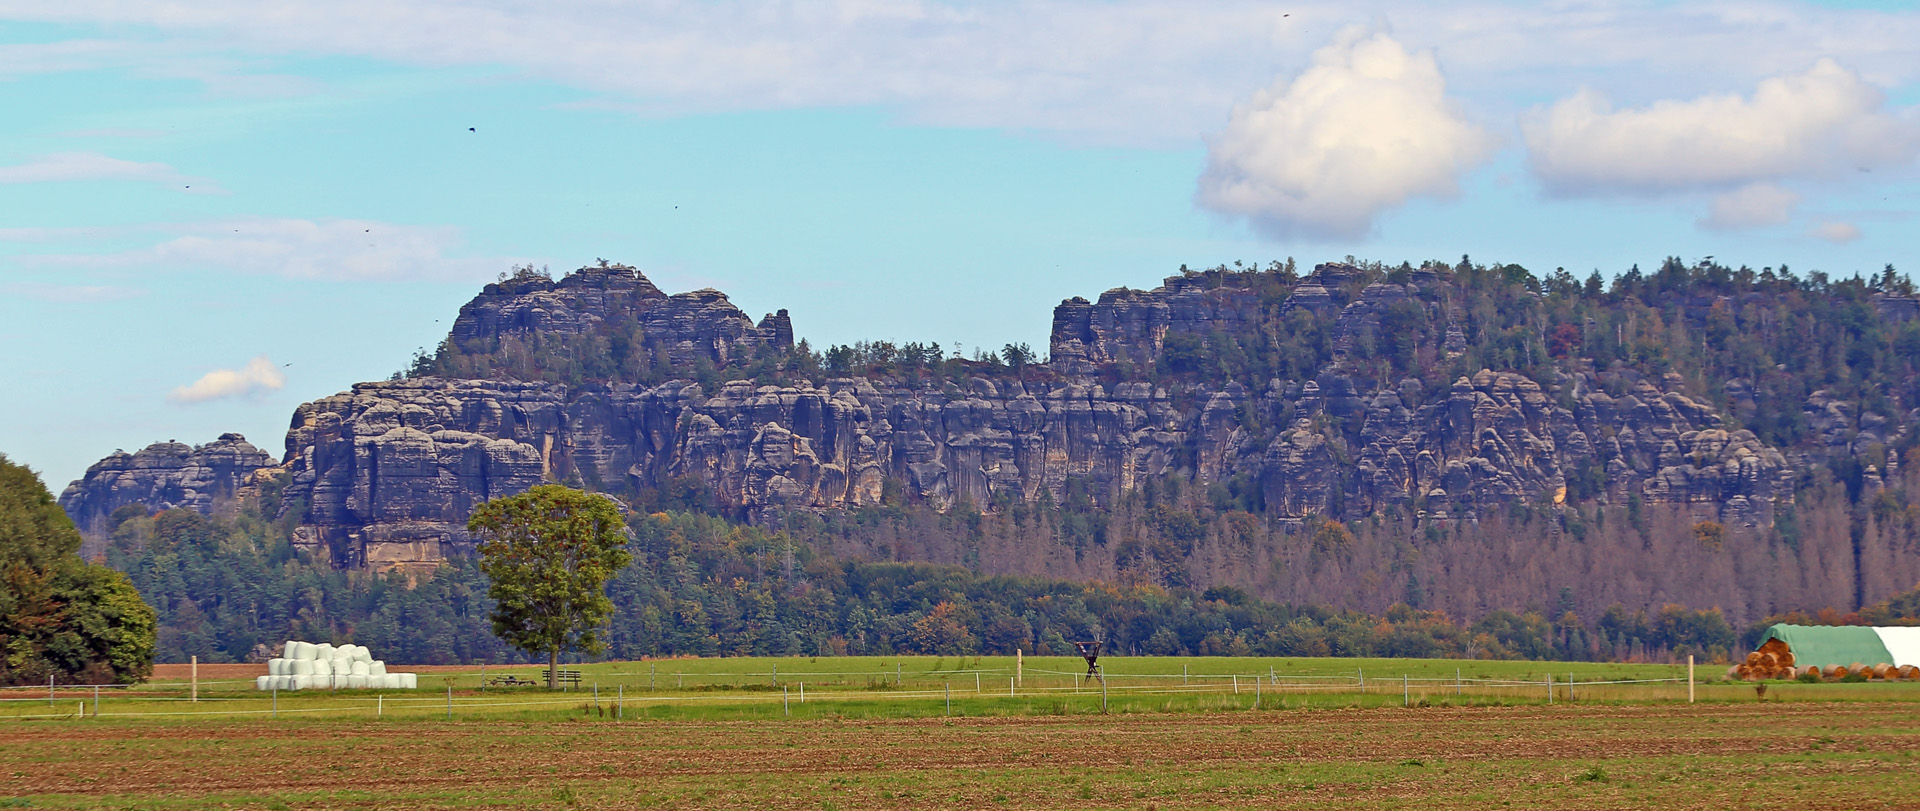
549	553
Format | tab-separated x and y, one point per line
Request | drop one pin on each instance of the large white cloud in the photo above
1364	129
257	377
1823	123
334	249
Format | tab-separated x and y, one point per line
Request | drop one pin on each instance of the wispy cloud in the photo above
1838	233
77	166
257	377
70	293
332	249
1133	71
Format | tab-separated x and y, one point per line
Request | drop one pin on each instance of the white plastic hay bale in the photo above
323	650
297	682
299	667
322	667
274	665
261	683
376	668
409	681
359	669
304	650
362	654
357	681
292	649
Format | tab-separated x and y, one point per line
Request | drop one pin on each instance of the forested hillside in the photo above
227	588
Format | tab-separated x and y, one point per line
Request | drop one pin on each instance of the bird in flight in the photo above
470	129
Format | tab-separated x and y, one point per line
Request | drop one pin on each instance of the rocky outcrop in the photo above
387	473
616	303
164	475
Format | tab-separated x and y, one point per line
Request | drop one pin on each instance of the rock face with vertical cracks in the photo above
386	474
164	475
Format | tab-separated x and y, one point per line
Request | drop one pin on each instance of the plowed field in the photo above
1717	756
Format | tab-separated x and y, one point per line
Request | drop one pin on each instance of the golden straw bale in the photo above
1786	658
1883	671
1769	661
1859	669
1752	659
1909	672
1810	670
1837	671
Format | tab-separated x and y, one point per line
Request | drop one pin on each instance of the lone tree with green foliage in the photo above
549	552
62	618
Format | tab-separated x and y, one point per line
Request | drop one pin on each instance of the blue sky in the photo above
211	213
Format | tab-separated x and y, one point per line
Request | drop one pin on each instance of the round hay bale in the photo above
322	667
292	649
323	650
1786	658
357	682
359	668
1883	671
1752	659
1743	672
409	681
1733	673
260	682
1836	671
1810	670
1769	661
1909	672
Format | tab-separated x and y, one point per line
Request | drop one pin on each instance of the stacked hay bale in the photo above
1772	661
1831	653
307	666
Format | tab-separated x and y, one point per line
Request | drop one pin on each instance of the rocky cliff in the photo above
1429	395
162	476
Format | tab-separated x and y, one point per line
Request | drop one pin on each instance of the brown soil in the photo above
1529	753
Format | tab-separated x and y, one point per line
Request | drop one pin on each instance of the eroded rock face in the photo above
387	474
164	475
616	301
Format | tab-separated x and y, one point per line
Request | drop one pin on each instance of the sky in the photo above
211	212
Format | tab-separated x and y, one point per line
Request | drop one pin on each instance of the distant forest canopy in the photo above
1754	343
227	588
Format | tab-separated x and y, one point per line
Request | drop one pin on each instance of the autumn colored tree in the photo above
548	553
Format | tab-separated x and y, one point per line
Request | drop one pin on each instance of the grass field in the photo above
731	739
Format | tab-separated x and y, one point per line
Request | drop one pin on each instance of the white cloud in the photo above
70	293
1825	122
71	166
1132	71
1838	233
257	377
1367	127
1751	206
341	250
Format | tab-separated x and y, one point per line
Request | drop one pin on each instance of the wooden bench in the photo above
571	678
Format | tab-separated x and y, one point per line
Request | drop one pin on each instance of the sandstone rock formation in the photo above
163	475
389	471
